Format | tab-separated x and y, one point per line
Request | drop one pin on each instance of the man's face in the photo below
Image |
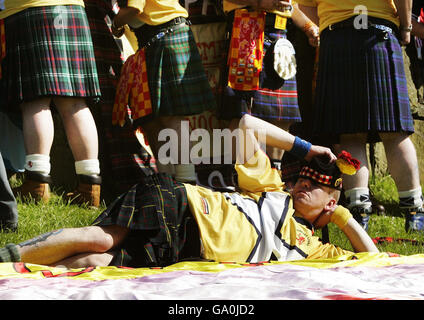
310	198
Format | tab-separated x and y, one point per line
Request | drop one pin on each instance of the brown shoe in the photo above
87	192
35	186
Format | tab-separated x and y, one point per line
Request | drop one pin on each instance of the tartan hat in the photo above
329	174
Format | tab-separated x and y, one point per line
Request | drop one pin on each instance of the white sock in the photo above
358	197
411	198
37	162
87	167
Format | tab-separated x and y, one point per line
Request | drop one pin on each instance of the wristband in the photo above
340	217
300	147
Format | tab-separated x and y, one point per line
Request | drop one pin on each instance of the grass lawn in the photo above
35	219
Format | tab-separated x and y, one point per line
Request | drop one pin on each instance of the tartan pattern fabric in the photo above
132	90
316	176
177	80
155	212
49	52
275	99
2	43
246	50
121	155
361	85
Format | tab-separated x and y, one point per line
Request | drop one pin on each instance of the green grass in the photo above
35	219
38	218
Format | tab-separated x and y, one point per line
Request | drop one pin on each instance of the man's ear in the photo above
331	205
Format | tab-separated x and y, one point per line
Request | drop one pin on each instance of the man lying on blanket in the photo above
160	221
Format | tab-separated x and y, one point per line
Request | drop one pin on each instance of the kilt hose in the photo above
156	212
49	52
361	84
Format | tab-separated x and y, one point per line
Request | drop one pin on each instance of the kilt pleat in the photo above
361	84
177	80
49	52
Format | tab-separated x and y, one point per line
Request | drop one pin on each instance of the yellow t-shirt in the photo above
159	11
251	225
9	7
332	11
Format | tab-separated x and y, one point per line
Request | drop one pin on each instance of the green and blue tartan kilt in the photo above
49	52
361	84
276	98
156	212
178	83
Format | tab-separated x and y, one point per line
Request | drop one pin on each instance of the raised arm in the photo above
259	132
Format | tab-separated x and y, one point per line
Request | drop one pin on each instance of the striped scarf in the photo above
132	90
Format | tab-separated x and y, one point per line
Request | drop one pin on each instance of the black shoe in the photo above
414	219
361	215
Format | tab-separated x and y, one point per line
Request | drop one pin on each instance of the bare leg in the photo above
401	160
51	247
38	127
80	127
86	260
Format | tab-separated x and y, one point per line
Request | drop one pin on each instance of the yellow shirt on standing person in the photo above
9	7
157	12
333	11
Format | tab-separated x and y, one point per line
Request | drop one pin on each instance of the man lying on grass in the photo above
160	221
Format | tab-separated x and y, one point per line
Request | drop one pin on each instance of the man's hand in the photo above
320	151
405	37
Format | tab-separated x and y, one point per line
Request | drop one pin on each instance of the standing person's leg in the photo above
356	186
38	131
403	166
81	132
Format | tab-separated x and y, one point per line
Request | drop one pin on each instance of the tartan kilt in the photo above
361	85
178	83
276	98
49	51
156	212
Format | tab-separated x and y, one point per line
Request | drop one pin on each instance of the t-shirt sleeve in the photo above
257	175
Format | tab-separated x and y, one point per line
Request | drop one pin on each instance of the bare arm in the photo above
310	12
404	9
310	28
358	237
125	16
257	131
